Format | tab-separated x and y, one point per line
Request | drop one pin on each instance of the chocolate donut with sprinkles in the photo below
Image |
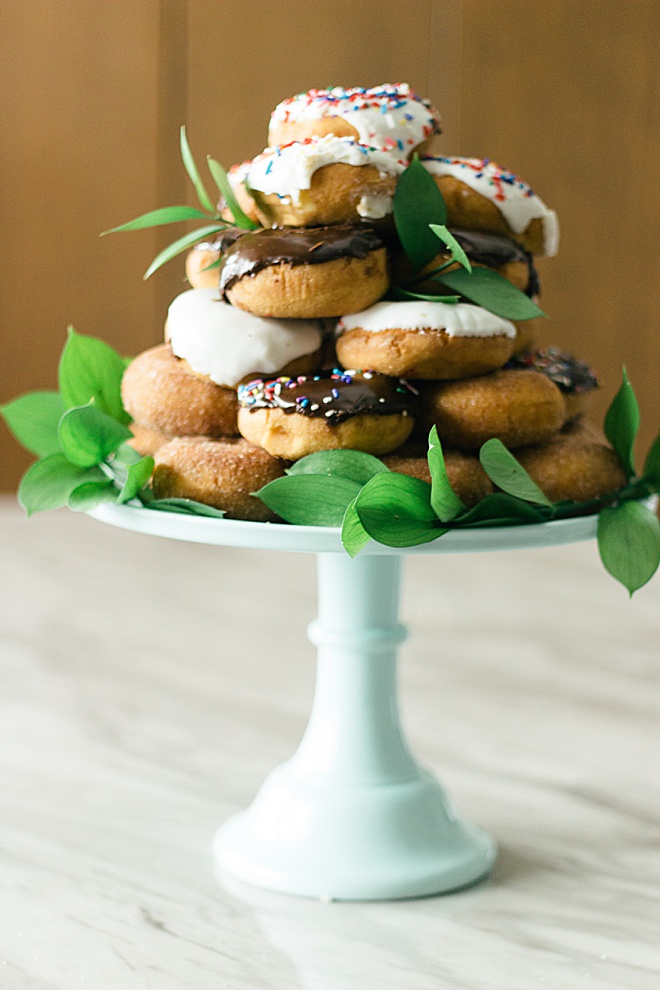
350	410
481	195
389	117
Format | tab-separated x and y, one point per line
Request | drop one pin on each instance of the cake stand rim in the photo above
244	534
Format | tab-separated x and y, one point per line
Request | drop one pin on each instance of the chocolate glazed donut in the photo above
305	272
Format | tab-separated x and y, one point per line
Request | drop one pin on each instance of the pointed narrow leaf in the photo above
351	464
136	477
49	483
417	203
193	173
88	435
224	185
448	239
309	499
444	500
395	510
181	245
504	470
486	288
399	293
652	463
185	506
629	543
91	369
622	423
500	509
353	534
33	419
157	218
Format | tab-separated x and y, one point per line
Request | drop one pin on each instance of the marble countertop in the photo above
147	687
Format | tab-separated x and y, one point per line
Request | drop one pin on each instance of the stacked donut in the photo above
289	347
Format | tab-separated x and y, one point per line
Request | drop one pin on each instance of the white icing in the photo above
288	169
513	197
227	344
457	320
374	206
389	117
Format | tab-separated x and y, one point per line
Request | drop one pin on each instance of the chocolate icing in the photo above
224	240
294	246
495	251
569	374
333	396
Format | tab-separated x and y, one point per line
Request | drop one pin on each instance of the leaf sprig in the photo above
80	435
175	214
420	216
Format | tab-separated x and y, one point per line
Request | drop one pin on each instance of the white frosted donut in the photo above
390	117
457	319
226	344
518	205
284	175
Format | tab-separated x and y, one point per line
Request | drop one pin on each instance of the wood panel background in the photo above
92	95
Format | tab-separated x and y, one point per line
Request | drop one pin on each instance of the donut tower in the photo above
300	335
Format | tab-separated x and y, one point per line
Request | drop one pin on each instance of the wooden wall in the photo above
92	95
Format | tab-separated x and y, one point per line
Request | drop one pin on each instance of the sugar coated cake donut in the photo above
391	118
293	417
480	195
228	345
322	181
220	473
575	379
294	273
163	394
516	407
464	471
425	340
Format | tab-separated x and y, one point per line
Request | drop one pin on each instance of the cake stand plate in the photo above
352	815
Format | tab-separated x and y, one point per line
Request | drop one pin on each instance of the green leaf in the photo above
417	203
486	288
90	494
444	500
500	509
185	506
33	420
397	292
134	478
157	218
629	543
309	499
504	470
91	369
126	455
448	239
193	173
183	243
652	463
351	464
353	534
88	435
395	509
622	423
49	483
224	185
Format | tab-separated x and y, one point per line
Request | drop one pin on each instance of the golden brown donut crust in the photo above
575	464
293	435
464	472
333	288
162	393
198	273
427	354
220	473
333	197
469	210
300	130
517	407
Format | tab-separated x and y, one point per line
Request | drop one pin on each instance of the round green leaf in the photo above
88	435
351	464
49	483
309	499
417	203
33	420
353	534
629	543
92	370
504	470
395	509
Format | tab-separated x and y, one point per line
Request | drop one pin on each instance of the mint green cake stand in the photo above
352	815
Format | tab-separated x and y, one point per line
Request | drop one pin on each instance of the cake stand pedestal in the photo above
352	815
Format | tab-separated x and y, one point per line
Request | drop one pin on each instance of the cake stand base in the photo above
352	816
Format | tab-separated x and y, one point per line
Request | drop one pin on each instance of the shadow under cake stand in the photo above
352	815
